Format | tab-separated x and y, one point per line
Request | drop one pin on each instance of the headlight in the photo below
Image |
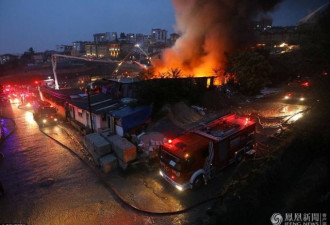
161	173
44	121
286	97
179	187
55	119
302	99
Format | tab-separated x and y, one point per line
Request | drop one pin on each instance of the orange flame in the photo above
199	51
190	62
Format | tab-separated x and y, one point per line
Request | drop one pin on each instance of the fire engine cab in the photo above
191	160
44	113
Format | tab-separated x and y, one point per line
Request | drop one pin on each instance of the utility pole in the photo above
90	107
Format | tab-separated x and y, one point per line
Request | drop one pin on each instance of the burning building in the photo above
208	30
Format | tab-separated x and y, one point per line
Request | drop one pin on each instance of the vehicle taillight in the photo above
306	84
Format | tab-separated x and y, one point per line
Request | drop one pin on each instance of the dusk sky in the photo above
43	24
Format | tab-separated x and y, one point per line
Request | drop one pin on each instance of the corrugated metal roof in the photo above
99	103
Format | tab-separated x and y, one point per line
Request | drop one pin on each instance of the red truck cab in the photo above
192	159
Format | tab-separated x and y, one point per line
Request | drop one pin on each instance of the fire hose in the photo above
125	202
119	197
115	192
280	124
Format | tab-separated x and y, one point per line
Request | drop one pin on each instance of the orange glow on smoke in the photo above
199	51
190	65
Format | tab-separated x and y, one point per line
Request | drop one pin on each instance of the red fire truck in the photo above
191	160
44	113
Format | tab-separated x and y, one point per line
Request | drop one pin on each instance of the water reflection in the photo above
29	117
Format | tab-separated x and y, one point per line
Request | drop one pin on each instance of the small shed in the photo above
128	118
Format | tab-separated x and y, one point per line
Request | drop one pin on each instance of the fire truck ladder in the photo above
136	48
54	63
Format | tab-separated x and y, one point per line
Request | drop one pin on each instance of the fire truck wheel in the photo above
198	182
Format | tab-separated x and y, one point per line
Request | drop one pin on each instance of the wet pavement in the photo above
7	126
47	184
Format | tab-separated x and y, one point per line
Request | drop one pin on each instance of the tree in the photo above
146	74
174	73
171	73
315	44
31	51
27	56
313	56
250	71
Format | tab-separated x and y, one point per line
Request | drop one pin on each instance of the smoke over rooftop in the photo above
208	29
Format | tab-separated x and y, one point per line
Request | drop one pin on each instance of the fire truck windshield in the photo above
171	160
